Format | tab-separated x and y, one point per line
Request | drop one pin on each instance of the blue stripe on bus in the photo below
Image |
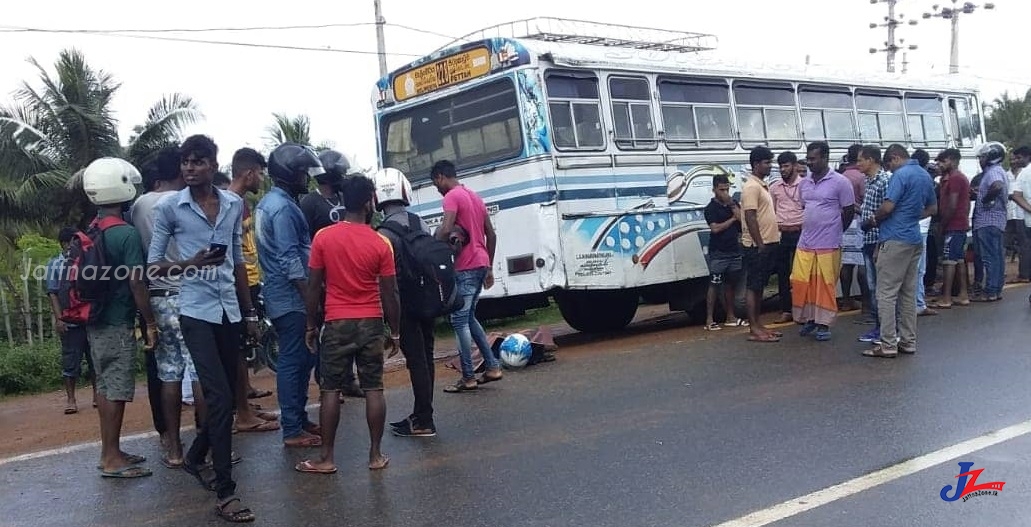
550	195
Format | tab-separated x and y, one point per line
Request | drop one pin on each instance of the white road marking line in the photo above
96	444
816	499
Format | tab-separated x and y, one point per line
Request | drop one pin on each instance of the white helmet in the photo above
391	185
992	152
110	181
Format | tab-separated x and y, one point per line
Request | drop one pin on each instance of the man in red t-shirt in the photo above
356	264
473	269
954	210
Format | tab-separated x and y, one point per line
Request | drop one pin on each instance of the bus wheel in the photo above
598	311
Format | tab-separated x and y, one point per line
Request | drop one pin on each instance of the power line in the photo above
229	43
13	29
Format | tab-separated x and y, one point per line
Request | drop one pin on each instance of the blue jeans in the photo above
293	371
989	240
467	328
871	278
921	304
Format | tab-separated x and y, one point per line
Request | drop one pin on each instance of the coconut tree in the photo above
54	130
1009	120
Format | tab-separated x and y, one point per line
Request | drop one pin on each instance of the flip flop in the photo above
758	338
381	466
777	334
71	409
307	468
268	416
311	441
172	464
131	459
259	394
263	426
936	305
127	473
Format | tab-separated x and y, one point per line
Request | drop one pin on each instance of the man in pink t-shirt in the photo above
473	265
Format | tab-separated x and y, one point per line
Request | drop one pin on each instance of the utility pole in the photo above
381	46
952	14
891	22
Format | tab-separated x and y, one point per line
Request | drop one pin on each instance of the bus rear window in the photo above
472	128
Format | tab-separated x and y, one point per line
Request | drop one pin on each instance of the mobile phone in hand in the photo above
218	249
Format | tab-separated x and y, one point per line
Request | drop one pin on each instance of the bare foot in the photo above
379	463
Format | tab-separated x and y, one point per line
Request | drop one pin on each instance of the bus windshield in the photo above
471	128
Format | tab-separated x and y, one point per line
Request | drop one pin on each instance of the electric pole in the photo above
381	46
952	14
891	22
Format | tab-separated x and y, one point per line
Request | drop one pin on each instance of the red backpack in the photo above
86	279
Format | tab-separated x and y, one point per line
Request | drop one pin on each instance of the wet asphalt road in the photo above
664	431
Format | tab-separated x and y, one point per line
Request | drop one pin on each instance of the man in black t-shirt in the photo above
723	215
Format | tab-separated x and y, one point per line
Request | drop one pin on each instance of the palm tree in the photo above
289	130
164	125
51	133
1009	120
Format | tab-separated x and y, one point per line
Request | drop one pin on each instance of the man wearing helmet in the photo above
324	208
990	219
284	246
393	195
214	300
109	184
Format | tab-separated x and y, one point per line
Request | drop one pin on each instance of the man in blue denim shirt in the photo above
284	247
207	222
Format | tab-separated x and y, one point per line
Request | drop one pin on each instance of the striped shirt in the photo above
872	200
993	214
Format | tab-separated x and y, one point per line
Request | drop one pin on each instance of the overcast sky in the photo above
238	88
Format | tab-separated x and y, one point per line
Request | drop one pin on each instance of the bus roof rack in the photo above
550	29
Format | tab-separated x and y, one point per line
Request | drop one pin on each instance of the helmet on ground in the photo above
515	351
992	152
110	181
391	185
290	165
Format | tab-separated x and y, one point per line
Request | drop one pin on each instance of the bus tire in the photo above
598	311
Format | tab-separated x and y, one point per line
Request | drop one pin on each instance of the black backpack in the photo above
426	277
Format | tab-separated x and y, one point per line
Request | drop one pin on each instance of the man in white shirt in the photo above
1019	209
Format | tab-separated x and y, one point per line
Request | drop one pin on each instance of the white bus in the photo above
595	153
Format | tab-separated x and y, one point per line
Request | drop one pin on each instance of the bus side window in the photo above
767	114
827	115
575	109
926	119
880	117
696	113
632	113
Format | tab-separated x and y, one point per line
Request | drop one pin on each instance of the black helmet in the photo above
290	166
337	168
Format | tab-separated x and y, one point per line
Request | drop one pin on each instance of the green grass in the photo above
26	369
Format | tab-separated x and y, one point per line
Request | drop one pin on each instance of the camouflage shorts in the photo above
114	359
172	356
357	339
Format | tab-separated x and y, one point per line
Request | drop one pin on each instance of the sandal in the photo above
713	327
243	515
307	467
736	324
879	352
128	472
195	471
823	335
461	386
306	441
259	394
763	338
263	426
486	377
939	305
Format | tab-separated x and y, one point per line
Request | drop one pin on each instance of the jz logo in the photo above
967	486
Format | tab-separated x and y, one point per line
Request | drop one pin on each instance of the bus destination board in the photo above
442	73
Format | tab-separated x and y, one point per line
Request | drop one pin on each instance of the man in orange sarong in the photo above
828	202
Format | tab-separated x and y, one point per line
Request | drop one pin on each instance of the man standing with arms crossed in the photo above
760	238
473	268
990	219
787	205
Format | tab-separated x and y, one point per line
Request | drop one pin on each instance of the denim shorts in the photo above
954	250
360	339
